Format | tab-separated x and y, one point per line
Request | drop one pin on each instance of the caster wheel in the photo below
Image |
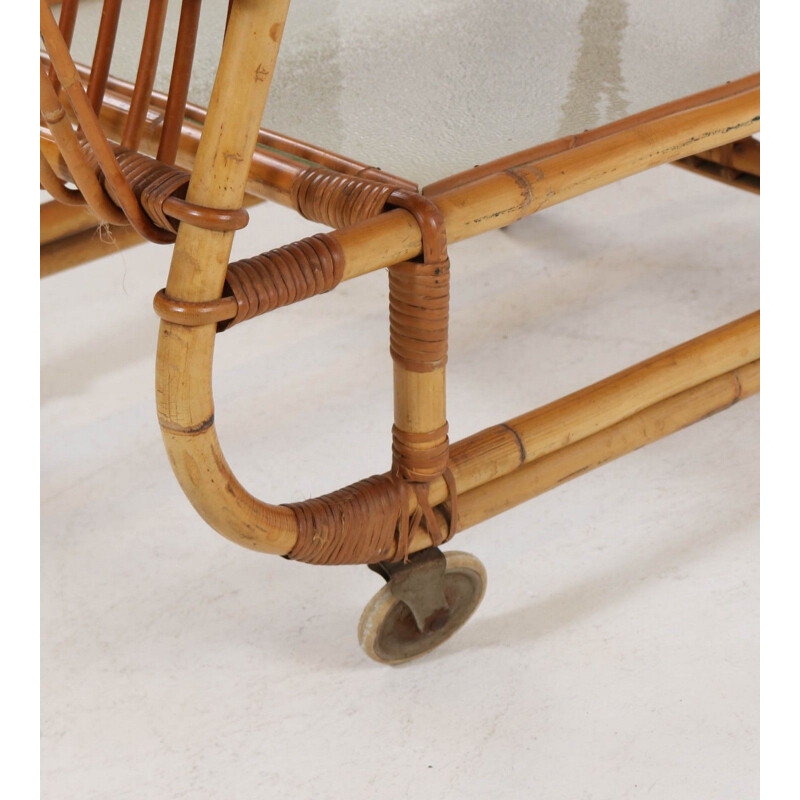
388	631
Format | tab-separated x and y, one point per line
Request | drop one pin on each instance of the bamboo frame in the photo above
481	459
85	245
57	220
70	236
229	156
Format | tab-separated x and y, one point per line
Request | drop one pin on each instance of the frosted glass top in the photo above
425	89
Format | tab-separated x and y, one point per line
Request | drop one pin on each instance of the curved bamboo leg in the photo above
200	259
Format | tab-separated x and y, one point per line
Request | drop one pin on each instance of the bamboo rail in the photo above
499	199
69	236
573	460
595	134
84	246
57	220
504	448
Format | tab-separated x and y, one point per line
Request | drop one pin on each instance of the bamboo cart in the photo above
157	167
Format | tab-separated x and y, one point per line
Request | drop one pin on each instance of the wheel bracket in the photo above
419	583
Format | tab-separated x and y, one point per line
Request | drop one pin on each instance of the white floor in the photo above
615	654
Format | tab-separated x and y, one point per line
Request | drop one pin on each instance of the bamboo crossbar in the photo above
499	199
595	134
84	246
71	235
646	426
504	448
57	220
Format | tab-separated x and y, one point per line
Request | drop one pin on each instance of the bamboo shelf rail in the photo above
158	168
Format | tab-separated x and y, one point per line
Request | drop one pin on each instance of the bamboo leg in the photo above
200	259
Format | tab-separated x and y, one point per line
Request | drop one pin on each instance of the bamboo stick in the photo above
175	106
726	175
69	147
104	49
646	426
146	74
66	24
499	450
86	245
743	155
419	399
57	220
